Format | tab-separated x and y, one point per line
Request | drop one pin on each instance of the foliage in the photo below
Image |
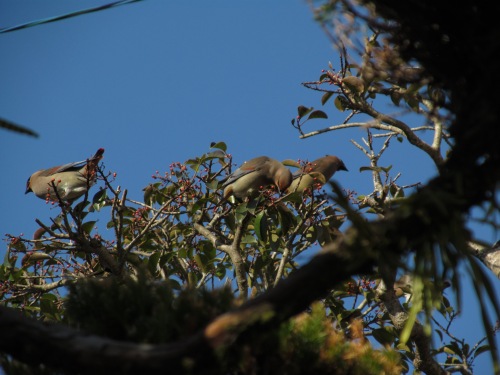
182	242
141	309
151	312
167	265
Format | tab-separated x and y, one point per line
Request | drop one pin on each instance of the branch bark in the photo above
489	255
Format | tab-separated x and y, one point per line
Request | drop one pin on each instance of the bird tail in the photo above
98	154
92	163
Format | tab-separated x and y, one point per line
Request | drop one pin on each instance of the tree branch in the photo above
233	252
489	255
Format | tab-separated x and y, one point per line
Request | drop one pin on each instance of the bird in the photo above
316	173
255	174
71	180
404	286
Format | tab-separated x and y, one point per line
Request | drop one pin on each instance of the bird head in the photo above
342	166
332	163
283	178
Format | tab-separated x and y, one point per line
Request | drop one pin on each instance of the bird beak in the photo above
28	188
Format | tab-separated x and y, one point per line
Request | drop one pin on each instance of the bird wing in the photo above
237	174
305	169
297	174
64	168
251	166
74	166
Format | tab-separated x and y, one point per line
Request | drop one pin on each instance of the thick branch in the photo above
233	252
410	135
423	361
490	256
35	342
370	124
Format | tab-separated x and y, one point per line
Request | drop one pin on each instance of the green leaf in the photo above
413	103
303	110
99	199
355	84
375	169
18	246
452	349
199	262
79	209
212	185
195	164
482	349
349	314
311	234
327	95
396	98
220	271
48	305
295	197
254	204
260	226
286	218
440	334
318	114
402	346
216	154
230	221
219	145
149	192
418	287
323	235
438	96
249	239
290	163
88	226
336	217
153	262
99	196
192	279
318	176
383	336
414	88
169	190
240	213
340	103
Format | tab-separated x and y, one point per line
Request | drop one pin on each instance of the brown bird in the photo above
255	174
316	173
71	180
404	286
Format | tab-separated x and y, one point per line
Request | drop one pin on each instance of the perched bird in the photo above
404	286
255	174
71	180
316	173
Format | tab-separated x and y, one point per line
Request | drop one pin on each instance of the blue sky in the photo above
156	82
